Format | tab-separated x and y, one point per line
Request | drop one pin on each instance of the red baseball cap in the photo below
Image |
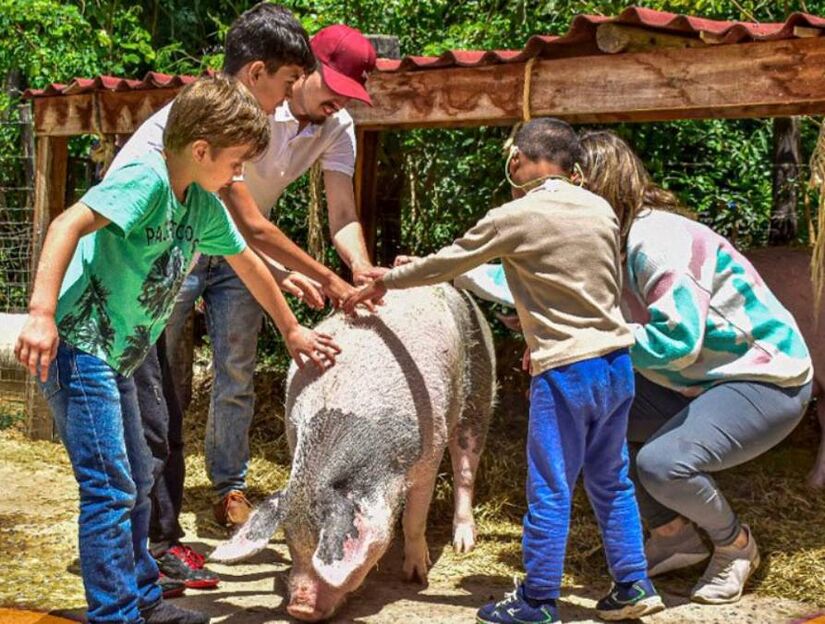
346	58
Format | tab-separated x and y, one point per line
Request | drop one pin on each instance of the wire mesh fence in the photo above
16	213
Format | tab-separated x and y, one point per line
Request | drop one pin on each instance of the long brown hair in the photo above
612	170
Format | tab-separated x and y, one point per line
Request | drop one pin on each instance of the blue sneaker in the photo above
515	609
628	601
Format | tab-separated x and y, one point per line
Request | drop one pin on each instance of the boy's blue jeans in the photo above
578	423
97	416
233	320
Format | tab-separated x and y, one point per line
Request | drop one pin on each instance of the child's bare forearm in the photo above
58	248
260	282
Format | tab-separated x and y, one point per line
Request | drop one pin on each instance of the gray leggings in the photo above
683	439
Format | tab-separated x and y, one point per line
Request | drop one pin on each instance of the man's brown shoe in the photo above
233	509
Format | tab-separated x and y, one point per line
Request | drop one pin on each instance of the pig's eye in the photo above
341	486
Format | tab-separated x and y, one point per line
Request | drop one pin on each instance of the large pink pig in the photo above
367	437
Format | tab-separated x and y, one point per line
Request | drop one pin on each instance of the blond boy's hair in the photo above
219	110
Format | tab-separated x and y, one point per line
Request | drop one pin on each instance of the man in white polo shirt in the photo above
313	127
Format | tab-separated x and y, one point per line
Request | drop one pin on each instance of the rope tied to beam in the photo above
526	93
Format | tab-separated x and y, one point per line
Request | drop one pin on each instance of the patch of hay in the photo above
38	525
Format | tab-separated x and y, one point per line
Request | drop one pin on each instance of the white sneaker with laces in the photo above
728	571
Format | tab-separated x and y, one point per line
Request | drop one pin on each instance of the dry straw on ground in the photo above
38	523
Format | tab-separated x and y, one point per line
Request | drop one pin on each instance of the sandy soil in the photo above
40	508
253	594
38	536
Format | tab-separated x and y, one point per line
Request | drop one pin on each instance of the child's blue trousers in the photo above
578	423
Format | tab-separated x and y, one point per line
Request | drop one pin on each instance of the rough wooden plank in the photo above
805	31
49	201
64	115
118	112
123	112
757	79
615	38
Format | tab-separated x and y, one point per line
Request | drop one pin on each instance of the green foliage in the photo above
49	41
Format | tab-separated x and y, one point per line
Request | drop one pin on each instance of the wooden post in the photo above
378	178
785	174
49	201
366	179
389	190
27	145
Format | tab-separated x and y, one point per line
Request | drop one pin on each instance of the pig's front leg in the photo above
416	554
816	478
465	452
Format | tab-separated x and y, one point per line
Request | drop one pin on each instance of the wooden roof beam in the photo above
756	79
106	112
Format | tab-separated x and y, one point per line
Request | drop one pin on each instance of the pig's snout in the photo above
307	613
304	604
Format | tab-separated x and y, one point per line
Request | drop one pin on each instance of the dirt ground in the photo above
38	528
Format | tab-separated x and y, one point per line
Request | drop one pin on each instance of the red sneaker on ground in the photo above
184	564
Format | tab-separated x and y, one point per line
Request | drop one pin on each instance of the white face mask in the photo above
531	184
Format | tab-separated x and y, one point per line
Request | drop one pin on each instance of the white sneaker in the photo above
682	550
728	571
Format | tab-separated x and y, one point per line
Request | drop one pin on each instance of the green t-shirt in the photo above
122	281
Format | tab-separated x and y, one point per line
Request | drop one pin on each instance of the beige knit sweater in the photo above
559	245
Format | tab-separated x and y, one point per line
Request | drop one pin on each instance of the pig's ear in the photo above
345	541
256	532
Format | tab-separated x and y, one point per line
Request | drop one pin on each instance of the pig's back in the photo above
405	361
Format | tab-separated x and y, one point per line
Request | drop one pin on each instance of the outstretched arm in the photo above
37	343
481	243
345	229
266	237
300	341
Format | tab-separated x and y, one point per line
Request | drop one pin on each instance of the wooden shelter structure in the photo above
640	66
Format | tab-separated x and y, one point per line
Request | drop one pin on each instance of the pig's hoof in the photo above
464	537
417	563
816	479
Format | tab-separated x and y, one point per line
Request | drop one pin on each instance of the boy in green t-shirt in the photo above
109	271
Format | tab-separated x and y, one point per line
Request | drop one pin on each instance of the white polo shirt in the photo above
290	153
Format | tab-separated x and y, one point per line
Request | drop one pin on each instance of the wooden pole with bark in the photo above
786	175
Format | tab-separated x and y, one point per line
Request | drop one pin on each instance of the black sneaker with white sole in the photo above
628	601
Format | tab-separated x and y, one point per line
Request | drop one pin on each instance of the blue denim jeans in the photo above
578	423
233	320
97	416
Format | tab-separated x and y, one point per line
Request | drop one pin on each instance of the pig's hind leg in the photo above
470	433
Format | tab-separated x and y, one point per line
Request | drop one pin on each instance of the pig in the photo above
10	327
787	272
368	435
